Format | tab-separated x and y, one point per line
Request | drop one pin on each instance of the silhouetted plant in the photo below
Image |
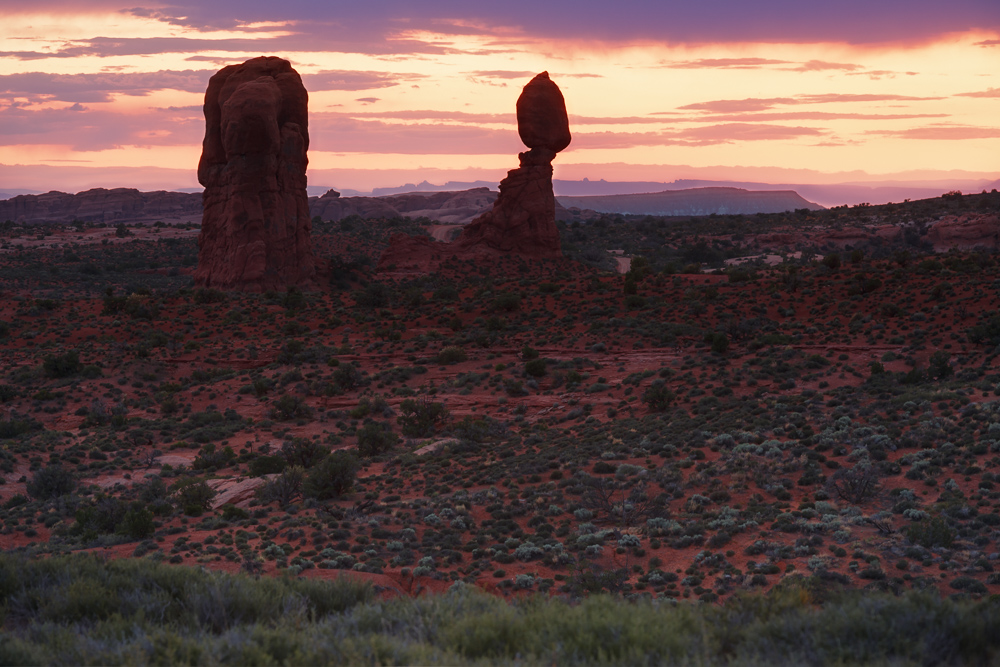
333	477
51	482
375	438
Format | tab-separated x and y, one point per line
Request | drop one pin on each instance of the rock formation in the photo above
454	208
256	224
965	232
523	220
102	205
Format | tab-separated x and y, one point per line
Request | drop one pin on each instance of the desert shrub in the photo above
7	393
103	517
536	368
51	482
832	261
718	340
451	355
206	295
347	377
375	438
373	295
62	365
193	496
17	425
137	524
303	452
446	293
658	397
210	457
267	465
332	478
294	299
932	533
857	484
290	407
421	418
940	365
506	302
284	488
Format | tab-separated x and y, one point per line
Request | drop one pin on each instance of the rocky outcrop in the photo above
256	223
965	232
523	220
102	205
454	208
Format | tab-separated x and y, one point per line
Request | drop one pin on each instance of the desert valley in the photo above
706	425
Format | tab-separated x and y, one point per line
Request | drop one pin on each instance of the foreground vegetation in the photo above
81	610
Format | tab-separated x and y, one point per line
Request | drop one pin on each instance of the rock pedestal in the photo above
523	219
255	225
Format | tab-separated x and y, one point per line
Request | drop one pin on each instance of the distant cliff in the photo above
101	205
696	201
130	205
447	207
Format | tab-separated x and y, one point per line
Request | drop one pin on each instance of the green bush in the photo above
193	495
333	478
658	397
451	355
303	452
421	418
290	407
536	368
375	438
266	465
62	365
137	524
51	482
932	533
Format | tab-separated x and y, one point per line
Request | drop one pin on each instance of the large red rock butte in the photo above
255	224
522	220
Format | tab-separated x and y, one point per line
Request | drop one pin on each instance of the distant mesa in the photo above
102	205
523	220
256	224
695	201
448	207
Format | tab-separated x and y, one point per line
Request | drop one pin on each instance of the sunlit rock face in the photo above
255	224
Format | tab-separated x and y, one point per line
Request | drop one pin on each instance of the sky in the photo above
107	93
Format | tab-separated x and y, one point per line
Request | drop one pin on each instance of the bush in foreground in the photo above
82	610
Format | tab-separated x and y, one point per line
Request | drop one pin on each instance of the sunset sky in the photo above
109	93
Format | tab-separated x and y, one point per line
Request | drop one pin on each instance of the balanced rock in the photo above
255	225
542	121
522	220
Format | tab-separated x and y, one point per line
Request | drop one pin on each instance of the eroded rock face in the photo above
523	219
256	224
965	232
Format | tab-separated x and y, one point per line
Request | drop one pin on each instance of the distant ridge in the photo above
695	201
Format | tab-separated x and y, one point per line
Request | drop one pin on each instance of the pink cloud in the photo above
942	133
724	63
989	92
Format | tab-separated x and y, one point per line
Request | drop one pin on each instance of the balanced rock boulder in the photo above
522	220
255	225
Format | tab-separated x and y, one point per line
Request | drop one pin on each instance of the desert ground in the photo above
654	421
